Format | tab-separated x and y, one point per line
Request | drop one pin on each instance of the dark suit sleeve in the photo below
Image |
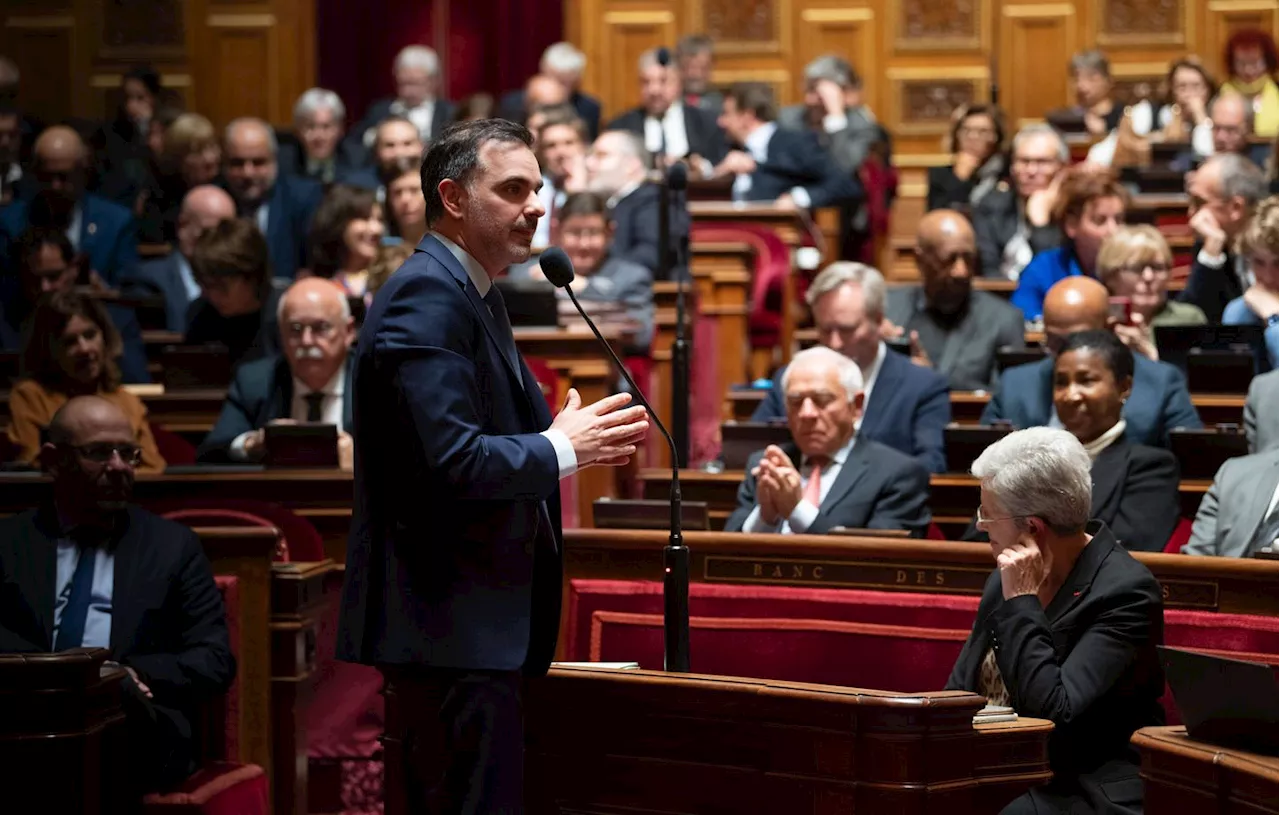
772	406
426	346
932	417
903	503
197	662
990	247
1178	410
1028	662
644	243
1149	512
995	410
826	184
133	361
124	253
746	497
1209	288
236	417
946	190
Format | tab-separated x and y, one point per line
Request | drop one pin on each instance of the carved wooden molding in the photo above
38	21
928	25
241	20
921	100
1143	22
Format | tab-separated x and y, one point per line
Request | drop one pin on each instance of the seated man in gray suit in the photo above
1262	412
829	477
309	382
833	109
1238	515
170	276
584	229
952	328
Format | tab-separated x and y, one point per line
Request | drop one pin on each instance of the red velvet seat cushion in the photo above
218	788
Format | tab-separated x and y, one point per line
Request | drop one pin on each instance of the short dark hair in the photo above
1114	353
756	97
456	156
342	204
233	248
148	76
49	320
563	115
583	204
34	238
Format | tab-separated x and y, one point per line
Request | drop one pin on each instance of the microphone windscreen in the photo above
664	57
556	267
678	176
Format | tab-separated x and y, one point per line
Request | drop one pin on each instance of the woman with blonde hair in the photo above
1135	264
1260	304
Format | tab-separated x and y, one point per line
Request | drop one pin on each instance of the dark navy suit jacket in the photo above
14	311
635	235
454	558
291	205
260	393
162	276
704	135
108	235
796	159
1159	402
908	410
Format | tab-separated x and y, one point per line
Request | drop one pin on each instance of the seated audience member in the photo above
406	207
1251	63
1091	79
669	128
280	205
1158	403
1184	116
395	142
319	118
563	63
1237	516
190	156
584	231
976	144
904	406
1260	303
309	382
695	61
237	303
475	107
1090	208
47	265
102	231
617	169
72	351
11	169
952	328
787	167
1223	194
1231	120
1015	221
123	160
1068	624
829	475
1262	412
833	110
1135	263
562	155
540	91
88	569
345	237
170	276
417	76
390	258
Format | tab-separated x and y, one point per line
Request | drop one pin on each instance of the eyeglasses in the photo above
102	453
322	329
984	520
1137	269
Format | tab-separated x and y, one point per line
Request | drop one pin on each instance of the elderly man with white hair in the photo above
563	63
417	74
828	476
1068	624
310	381
319	153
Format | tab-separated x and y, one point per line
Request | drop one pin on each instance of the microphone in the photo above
558	269
676	181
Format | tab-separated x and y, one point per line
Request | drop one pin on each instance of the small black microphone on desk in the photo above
664	56
558	269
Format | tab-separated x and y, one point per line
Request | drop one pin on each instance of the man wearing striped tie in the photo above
828	476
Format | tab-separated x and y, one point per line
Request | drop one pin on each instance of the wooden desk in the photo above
1154	206
1180	774
605	740
723	274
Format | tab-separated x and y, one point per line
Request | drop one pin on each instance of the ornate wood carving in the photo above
740	21
1141	21
929	103
927	24
143	28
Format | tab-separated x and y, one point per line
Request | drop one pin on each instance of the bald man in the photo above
281	205
309	382
89	569
203	207
101	230
1159	402
950	327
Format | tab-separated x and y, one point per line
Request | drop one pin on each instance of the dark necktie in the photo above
71	626
506	339
315	401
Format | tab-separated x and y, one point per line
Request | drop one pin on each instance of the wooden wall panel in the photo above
1037	41
241	45
840	29
1225	17
43	45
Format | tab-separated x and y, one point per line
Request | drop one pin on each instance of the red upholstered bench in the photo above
221	786
872	639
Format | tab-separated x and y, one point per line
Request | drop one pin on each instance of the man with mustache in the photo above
952	328
310	381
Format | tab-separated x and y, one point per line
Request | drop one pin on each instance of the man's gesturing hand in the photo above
604	432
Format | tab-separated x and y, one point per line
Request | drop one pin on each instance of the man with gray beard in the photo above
308	383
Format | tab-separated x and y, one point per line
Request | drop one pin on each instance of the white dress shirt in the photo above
805	513
188	277
97	621
330	409
73	226
670	125
566	458
1104	441
551	199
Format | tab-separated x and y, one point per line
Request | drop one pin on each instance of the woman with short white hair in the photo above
1068	624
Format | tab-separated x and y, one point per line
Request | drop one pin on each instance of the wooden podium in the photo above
1180	774
61	733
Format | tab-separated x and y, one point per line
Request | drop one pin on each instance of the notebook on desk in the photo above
301	446
1215	358
1228	702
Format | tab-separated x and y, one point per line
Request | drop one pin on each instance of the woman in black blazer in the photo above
976	142
1067	627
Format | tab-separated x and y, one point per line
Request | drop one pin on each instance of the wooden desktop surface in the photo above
1180	774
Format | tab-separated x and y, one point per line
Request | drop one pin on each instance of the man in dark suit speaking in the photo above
454	561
